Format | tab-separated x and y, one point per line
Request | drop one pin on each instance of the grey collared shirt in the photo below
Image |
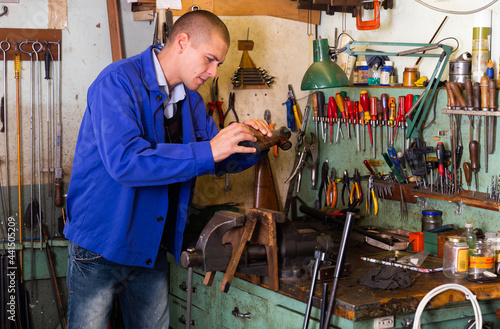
175	95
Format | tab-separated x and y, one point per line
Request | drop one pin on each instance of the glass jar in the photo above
481	259
385	74
431	219
410	76
455	257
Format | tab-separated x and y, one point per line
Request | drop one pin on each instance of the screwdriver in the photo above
384	102
361	121
407	107
401	120
315	106
357	118
348	118
321	114
373	121
332	110
338	119
392	119
440	153
296	112
339	99
467	170
380	122
485	106
474	159
364	101
350	112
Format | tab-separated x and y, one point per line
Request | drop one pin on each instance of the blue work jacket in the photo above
117	198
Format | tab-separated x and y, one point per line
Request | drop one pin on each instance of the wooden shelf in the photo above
466	112
468	198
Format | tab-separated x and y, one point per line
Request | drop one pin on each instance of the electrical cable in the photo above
455	12
442	288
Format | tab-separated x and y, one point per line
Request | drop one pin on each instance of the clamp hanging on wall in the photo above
355	7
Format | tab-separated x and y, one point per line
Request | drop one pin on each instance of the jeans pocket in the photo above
83	255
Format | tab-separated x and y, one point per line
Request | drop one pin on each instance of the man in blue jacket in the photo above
144	139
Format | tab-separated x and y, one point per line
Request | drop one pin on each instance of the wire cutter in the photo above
215	104
331	192
356	188
310	149
372	198
230	108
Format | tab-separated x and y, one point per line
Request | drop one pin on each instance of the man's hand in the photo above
225	143
260	125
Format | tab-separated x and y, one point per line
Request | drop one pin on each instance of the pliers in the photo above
331	192
310	149
372	198
356	188
345	184
324	184
230	108
214	95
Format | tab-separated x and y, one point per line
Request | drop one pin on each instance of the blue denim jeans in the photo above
93	281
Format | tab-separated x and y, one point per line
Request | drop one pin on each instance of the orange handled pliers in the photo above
356	188
331	192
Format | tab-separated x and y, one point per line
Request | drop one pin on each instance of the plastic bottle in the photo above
363	74
470	235
385	74
374	75
355	74
490	72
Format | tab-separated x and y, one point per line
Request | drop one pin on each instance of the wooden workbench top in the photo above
355	302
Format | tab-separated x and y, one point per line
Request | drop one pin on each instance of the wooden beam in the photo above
114	30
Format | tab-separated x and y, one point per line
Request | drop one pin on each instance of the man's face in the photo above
201	60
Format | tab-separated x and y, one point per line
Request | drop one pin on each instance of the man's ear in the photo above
181	42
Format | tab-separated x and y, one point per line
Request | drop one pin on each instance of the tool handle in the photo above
467	172
474	159
468	93
408	103
484	93
290	119
58	192
17	64
476	90
350	110
384	102
451	97
373	107
332	109
47	65
492	89
221	114
314	102
441	154
457	94
370	169
339	99
402	161
321	103
392	109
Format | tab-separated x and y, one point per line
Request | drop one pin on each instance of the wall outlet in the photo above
384	322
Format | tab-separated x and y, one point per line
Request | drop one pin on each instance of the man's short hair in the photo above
199	25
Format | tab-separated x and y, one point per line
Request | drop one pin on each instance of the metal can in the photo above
481	259
455	257
410	76
431	219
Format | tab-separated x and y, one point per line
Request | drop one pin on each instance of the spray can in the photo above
481	44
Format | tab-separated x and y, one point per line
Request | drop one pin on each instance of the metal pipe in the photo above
4	51
339	267
319	256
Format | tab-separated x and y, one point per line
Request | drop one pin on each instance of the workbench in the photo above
356	306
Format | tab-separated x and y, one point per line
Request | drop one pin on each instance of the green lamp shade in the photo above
323	73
